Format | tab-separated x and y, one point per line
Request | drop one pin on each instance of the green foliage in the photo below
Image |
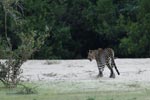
137	42
74	26
29	40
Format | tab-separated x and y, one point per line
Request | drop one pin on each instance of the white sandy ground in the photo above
72	75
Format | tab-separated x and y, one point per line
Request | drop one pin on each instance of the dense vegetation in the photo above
75	26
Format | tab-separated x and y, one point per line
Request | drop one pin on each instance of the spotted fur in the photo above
104	57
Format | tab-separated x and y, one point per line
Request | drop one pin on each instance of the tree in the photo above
30	42
137	42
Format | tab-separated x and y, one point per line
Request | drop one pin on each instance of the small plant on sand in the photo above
27	90
90	98
51	62
10	69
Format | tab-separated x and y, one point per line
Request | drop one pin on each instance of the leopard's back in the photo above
105	55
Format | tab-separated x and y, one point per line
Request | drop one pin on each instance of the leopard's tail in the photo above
117	70
113	63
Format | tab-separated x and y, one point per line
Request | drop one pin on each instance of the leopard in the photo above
104	57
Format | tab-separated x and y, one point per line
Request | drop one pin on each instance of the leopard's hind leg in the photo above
112	74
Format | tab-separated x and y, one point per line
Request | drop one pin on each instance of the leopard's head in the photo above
91	55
